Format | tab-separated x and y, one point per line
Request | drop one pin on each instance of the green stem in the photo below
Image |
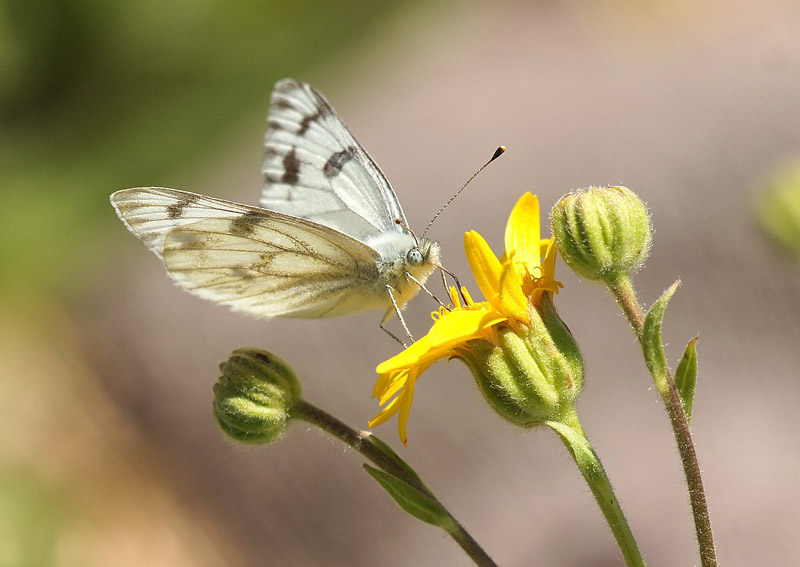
385	459
568	427
625	294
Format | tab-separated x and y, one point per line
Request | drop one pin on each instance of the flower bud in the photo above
778	208
254	397
602	232
532	374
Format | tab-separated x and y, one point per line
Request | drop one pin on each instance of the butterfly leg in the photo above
391	334
444	271
425	289
390	290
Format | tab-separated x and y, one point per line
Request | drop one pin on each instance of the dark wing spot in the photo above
263	265
337	161
282	104
243	273
133	221
307	120
244	225
274	125
270	178
175	210
291	166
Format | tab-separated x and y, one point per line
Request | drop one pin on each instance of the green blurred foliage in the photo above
32	516
96	96
779	208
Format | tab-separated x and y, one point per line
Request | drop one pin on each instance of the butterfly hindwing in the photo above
315	169
254	260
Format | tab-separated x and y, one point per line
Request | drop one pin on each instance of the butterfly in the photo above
329	239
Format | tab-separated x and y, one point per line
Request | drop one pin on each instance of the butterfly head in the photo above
426	252
420	253
415	257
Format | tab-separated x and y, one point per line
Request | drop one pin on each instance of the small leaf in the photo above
686	377
394	457
578	445
651	338
416	503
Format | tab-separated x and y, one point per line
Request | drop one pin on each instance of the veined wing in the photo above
314	168
151	212
254	260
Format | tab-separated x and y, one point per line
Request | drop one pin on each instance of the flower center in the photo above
534	283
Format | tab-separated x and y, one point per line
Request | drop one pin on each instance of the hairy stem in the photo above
364	443
625	295
571	433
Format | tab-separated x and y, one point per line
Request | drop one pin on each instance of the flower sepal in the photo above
530	374
552	343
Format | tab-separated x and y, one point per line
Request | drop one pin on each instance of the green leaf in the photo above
686	377
651	338
416	503
395	458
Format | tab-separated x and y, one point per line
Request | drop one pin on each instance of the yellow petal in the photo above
380	384
513	302
453	292
549	262
406	397
522	231
409	357
461	325
385	414
399	381
450	330
484	264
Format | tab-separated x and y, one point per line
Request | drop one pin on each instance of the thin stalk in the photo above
625	294
571	432
362	442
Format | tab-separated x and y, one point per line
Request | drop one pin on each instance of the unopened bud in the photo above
254	397
779	208
602	232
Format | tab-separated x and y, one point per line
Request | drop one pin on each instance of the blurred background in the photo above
109	451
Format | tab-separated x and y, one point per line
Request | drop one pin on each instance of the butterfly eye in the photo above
414	257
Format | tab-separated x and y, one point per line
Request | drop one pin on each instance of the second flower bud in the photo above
602	232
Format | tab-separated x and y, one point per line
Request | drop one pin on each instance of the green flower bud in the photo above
602	232
255	395
533	374
779	208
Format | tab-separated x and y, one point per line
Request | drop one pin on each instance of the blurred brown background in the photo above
110	455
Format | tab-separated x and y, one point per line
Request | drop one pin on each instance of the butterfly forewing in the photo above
151	212
314	168
258	261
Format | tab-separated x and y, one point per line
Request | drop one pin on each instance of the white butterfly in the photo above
331	239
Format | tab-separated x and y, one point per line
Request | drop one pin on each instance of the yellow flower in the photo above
512	285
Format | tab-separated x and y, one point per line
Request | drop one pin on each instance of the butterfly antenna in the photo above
497	153
400	222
